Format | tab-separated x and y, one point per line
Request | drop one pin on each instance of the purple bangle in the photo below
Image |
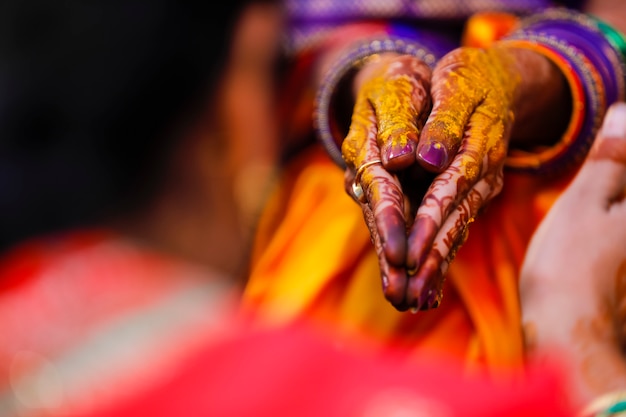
325	125
584	32
593	57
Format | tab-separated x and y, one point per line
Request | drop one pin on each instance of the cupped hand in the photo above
425	153
391	105
464	141
573	280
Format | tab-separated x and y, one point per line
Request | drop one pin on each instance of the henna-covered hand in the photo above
465	141
573	280
391	105
422	185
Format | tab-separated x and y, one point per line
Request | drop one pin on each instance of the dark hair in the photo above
91	92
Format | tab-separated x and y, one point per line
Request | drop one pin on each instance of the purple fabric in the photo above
329	10
310	20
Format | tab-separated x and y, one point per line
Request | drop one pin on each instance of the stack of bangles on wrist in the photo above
608	405
401	42
590	53
592	57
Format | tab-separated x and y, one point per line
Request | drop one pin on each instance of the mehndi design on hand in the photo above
473	93
385	126
462	145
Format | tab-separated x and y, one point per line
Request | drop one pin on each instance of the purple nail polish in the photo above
435	155
398	150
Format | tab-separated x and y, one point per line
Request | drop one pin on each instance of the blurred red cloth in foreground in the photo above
94	325
295	371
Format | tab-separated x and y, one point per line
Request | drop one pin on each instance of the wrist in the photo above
542	103
593	66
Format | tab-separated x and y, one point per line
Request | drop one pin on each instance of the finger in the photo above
447	190
480	157
374	185
603	175
384	196
393	277
359	145
401	100
424	289
454	102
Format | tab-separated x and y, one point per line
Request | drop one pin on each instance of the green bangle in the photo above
613	35
608	405
616	409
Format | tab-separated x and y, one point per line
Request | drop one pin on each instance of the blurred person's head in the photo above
93	95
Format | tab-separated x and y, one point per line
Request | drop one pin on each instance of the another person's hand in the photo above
573	280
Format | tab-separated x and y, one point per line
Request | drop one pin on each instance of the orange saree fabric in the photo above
313	258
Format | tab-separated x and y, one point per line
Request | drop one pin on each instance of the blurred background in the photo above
137	144
95	96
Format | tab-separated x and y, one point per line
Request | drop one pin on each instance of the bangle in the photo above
588	106
521	160
589	35
326	126
612	35
575	43
611	404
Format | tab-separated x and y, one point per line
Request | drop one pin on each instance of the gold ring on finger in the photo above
357	189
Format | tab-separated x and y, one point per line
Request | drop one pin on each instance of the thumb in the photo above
603	175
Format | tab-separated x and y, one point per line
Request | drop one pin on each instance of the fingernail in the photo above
398	150
614	125
385	283
434	154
